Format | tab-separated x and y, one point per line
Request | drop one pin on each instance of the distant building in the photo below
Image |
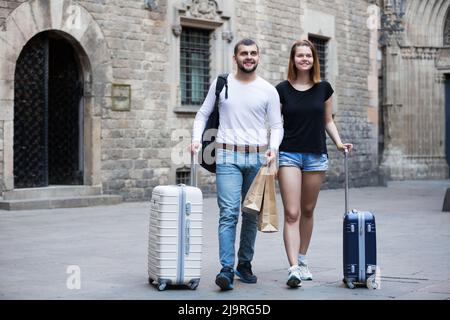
415	109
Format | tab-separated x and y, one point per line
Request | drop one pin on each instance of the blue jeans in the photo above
234	175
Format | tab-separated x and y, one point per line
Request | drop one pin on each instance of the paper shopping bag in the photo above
268	217
253	198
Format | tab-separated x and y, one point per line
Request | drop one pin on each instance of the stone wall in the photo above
352	96
5	9
136	145
277	24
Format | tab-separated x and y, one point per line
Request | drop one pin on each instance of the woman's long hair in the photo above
314	73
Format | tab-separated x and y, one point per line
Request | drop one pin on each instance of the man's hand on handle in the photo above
194	147
271	160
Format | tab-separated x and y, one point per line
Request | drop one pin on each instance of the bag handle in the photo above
221	82
346	179
193	170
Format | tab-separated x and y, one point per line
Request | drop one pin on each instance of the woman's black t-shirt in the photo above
303	115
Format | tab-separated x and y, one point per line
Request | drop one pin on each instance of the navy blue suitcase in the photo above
360	246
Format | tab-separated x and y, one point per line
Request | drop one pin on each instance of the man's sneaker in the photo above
294	279
305	274
244	272
225	278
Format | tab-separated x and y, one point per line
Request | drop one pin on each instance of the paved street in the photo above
109	245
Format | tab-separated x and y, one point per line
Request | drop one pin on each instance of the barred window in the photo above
321	45
194	65
183	176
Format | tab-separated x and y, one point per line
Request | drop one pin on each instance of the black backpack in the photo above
207	154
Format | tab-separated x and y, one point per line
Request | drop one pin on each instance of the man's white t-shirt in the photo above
243	115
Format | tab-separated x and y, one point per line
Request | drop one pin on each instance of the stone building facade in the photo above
416	70
131	121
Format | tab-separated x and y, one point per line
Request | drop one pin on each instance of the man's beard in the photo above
242	68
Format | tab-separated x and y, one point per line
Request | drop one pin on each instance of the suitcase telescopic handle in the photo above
346	178
193	170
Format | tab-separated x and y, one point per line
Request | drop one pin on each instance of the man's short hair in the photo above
245	42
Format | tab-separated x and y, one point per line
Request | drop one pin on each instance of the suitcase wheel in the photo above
349	284
372	284
193	284
162	286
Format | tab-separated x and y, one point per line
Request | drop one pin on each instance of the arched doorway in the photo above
48	118
447	119
447	91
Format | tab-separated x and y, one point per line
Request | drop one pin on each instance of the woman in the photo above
307	112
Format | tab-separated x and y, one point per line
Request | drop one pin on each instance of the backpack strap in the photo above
221	82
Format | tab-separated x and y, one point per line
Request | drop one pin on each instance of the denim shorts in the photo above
304	161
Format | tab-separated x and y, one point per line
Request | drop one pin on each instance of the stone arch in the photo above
432	14
446	32
78	27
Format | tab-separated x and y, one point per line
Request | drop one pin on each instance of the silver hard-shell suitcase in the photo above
175	235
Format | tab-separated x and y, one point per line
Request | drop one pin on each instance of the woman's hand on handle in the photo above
343	146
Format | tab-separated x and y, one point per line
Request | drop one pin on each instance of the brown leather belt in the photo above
242	148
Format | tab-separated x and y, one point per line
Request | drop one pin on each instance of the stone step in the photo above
62	202
51	192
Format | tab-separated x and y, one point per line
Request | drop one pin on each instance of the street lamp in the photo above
391	20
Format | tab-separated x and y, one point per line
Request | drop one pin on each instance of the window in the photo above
194	65
321	45
183	176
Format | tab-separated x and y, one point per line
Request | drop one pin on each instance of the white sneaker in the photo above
305	274
294	279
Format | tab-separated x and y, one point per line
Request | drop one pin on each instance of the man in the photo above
241	146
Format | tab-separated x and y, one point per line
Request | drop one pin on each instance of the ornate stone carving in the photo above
440	78
2	24
447	30
419	53
204	9
151	4
392	22
203	14
176	29
443	59
227	36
